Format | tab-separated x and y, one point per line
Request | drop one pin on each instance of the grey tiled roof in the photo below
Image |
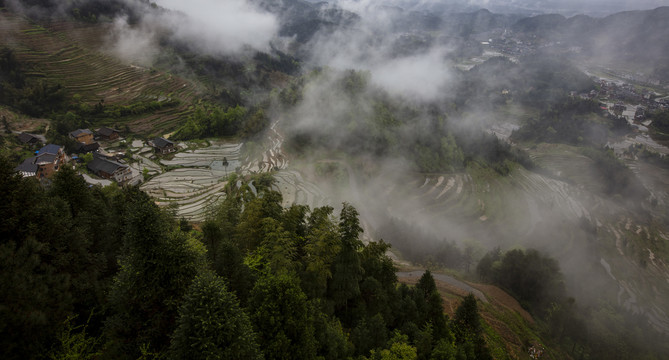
50	149
28	165
107	166
161	143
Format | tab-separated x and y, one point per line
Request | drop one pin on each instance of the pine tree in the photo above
211	325
468	330
347	271
280	316
158	264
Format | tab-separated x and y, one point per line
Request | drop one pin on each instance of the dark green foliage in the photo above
322	242
534	278
227	260
319	293
210	120
33	97
332	342
92	10
248	232
11	73
211	325
398	348
467	328
279	313
157	266
58	252
369	334
569	121
429	300
102	111
660	121
346	268
485	266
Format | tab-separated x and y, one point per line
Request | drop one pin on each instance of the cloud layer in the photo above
220	26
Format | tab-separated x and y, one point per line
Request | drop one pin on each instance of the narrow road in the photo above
447	279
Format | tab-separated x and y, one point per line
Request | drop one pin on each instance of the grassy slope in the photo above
68	53
509	329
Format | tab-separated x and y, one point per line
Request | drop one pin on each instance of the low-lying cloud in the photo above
424	77
228	26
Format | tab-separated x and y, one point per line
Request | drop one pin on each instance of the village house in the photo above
45	162
162	146
29	139
83	136
110	169
107	134
86	148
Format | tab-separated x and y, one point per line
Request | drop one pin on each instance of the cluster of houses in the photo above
49	158
46	161
609	90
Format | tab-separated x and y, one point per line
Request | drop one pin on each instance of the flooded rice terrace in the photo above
193	180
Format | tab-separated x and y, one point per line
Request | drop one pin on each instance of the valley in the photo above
343	160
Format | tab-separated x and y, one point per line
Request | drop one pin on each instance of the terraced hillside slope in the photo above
606	248
509	329
70	54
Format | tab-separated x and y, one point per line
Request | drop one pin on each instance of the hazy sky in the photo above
566	7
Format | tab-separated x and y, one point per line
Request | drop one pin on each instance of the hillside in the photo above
634	39
301	172
70	54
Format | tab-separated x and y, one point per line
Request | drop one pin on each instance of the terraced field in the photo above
198	175
68	54
566	215
296	190
198	181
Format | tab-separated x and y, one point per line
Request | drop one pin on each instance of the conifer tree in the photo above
211	324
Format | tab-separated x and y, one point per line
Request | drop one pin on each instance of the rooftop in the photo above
100	164
161	142
45	158
50	149
28	165
26	138
78	132
105	131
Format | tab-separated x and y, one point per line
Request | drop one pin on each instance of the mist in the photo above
559	207
435	149
220	26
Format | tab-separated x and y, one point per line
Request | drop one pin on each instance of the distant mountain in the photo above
640	38
466	24
303	19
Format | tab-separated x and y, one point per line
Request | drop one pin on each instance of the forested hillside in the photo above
104	273
295	164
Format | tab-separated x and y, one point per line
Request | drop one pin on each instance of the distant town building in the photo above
83	136
162	146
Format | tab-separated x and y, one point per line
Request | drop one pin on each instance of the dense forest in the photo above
105	273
